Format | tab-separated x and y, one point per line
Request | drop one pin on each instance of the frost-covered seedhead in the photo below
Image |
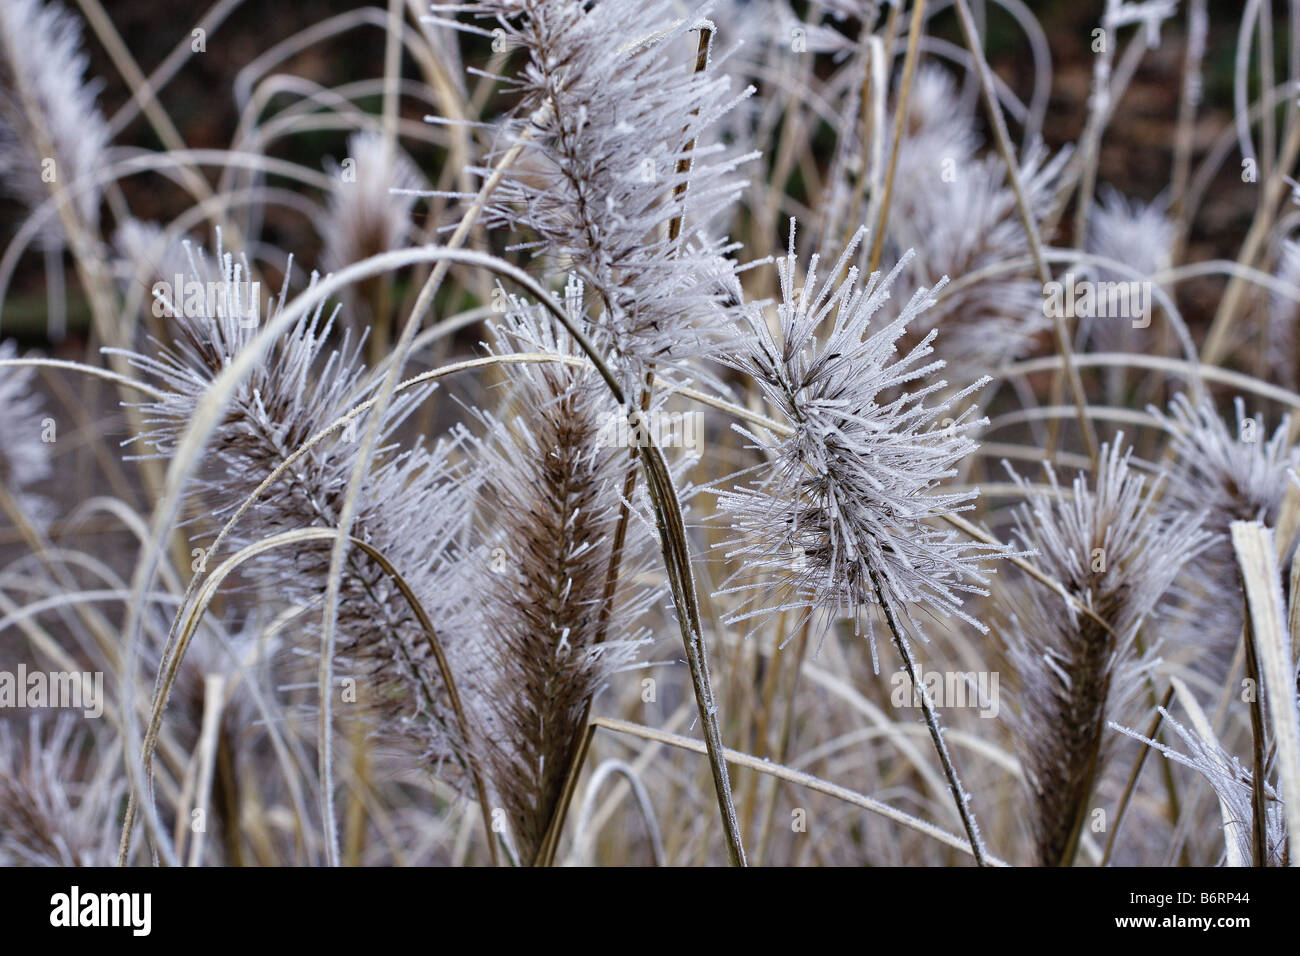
617	155
57	809
1138	235
548	505
961	225
842	512
1233	474
939	141
212	318
41	70
938	135
365	216
413	510
1116	556
25	460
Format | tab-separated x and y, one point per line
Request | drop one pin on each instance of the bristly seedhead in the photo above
619	180
1116	556
44	105
548	506
369	203
843	511
25	459
414	506
1234	474
962	220
937	137
1139	236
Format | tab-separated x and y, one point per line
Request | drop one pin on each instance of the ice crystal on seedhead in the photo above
842	514
413	508
619	180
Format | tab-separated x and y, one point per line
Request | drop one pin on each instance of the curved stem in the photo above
204	599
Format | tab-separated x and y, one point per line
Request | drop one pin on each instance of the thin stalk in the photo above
787	733
932	722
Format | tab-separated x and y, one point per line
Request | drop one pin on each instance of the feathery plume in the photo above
1239	475
369	212
369	204
1138	234
1233	476
964	223
1141	236
936	138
